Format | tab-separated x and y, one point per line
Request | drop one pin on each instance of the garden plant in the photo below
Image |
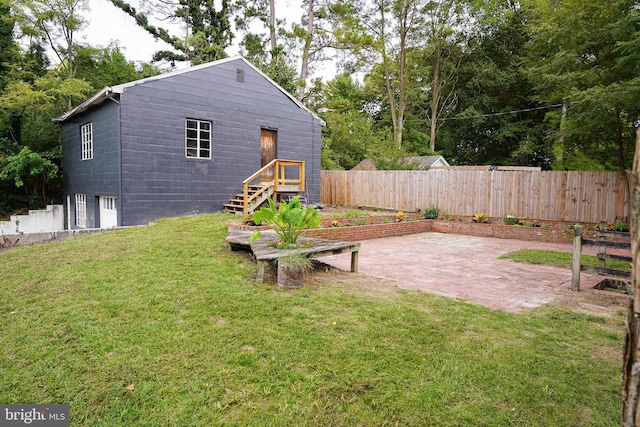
288	220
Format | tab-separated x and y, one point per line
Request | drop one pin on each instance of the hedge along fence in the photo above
556	196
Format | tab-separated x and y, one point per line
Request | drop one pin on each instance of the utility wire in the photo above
546	107
503	113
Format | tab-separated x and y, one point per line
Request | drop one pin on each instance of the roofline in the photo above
103	94
94	100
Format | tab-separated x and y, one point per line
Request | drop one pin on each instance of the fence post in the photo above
602	250
577	252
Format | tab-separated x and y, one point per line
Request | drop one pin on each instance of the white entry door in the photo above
108	212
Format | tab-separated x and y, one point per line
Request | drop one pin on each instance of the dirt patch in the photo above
357	283
604	304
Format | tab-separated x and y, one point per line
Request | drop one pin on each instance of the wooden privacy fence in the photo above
548	195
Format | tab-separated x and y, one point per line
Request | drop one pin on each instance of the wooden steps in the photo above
236	206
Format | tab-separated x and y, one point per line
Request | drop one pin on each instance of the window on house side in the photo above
81	210
198	139
86	142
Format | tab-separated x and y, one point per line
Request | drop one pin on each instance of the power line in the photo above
503	113
545	107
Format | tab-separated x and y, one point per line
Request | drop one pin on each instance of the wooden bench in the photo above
265	253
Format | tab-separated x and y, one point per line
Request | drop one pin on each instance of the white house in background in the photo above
427	162
419	162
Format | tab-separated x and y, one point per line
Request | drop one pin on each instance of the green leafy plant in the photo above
480	218
288	220
620	226
361	222
431	212
511	219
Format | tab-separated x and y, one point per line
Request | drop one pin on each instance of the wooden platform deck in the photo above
266	253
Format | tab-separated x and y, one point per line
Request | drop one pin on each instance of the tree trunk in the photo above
435	99
304	68
272	29
397	129
631	354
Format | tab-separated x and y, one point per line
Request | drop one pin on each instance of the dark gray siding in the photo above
157	178
99	176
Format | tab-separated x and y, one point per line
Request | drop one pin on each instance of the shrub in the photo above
511	219
431	212
480	218
620	226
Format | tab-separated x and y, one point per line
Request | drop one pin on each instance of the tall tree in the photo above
442	30
208	29
393	26
57	22
584	54
108	66
8	47
327	29
497	120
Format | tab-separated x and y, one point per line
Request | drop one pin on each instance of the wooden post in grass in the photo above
577	255
631	352
602	250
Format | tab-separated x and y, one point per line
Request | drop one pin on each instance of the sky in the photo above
107	23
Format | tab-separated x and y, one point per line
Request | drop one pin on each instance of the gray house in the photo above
185	142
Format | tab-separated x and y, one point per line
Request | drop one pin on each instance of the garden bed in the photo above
365	226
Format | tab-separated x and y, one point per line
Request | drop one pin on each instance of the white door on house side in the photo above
108	212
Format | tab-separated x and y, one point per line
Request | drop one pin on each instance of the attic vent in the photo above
240	75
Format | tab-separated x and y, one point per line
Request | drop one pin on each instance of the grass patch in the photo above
162	325
560	259
348	214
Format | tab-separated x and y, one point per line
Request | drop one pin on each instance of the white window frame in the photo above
81	210
86	141
197	136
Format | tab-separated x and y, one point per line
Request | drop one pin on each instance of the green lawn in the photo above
560	259
163	326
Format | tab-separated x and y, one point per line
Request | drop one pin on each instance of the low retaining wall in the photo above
372	231
348	231
26	239
37	221
501	231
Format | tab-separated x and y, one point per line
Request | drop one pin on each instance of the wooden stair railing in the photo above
251	194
